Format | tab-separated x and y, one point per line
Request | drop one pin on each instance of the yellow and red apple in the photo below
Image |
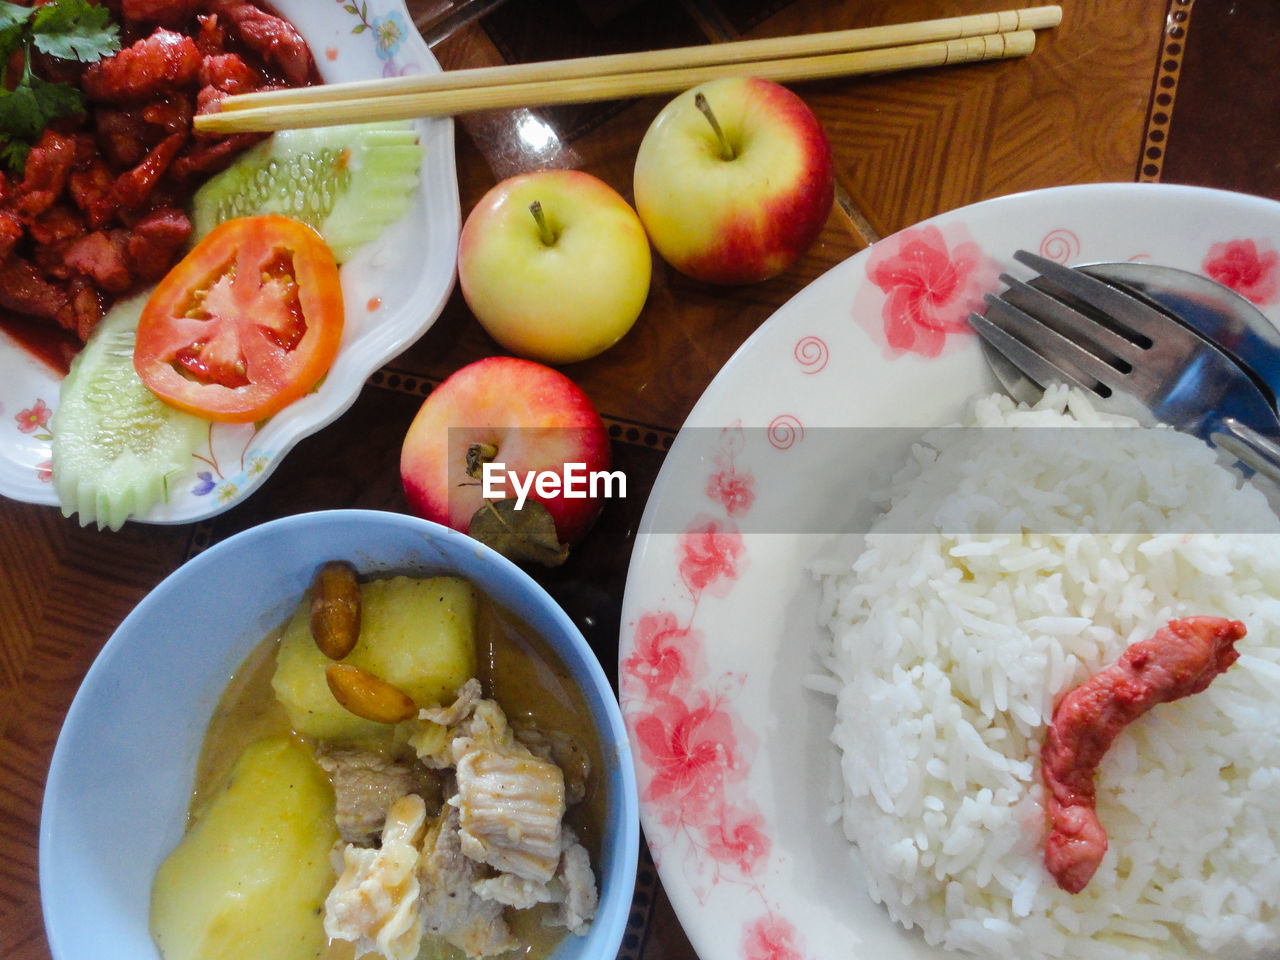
554	264
734	180
523	419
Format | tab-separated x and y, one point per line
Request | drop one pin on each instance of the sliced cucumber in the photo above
115	444
349	182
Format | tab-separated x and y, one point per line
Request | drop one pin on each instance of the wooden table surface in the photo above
1183	91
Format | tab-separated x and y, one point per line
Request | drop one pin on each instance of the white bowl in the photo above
120	782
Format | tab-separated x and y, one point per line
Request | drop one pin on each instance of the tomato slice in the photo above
244	324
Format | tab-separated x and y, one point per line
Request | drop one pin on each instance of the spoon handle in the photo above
1253	449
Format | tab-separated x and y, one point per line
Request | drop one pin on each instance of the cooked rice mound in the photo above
949	651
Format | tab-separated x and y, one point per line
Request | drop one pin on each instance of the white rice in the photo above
949	651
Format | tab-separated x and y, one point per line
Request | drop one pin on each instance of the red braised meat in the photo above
1182	658
99	209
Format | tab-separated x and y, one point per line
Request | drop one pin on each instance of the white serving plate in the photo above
719	627
394	289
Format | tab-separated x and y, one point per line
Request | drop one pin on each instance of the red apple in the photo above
518	427
734	180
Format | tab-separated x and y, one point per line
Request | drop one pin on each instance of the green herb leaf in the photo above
63	29
13	20
13	153
75	30
12	15
27	109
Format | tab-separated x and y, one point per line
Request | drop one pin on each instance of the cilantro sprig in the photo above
63	29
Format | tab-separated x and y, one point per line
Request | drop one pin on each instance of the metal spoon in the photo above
1214	311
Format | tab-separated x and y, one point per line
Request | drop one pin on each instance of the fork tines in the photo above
1130	317
1069	327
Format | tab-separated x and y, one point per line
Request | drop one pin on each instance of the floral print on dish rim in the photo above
36	418
212	480
692	745
388	30
1251	268
927	280
693	749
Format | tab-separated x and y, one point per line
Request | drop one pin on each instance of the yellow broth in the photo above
517	668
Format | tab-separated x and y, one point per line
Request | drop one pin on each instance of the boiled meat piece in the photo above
573	887
365	784
510	803
450	908
375	902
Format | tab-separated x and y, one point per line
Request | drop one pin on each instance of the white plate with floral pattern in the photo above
719	625
393	289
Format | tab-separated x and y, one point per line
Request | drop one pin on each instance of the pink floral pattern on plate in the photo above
693	749
709	678
733	489
1249	268
36	418
930	284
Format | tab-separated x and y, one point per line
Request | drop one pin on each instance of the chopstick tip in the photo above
1039	18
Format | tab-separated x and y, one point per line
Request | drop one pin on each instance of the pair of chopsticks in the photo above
839	53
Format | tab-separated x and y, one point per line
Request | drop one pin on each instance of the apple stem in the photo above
544	228
726	150
478	454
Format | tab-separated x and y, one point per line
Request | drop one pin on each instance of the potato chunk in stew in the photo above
415	633
251	874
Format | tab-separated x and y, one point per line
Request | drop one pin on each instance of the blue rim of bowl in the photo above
616	874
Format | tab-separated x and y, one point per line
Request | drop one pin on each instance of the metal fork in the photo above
1067	327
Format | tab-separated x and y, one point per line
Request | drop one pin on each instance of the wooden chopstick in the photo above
452	102
739	51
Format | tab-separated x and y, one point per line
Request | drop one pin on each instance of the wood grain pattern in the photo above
914	146
1220	135
63	591
907	147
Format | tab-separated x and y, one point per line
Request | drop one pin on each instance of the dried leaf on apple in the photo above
527	535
